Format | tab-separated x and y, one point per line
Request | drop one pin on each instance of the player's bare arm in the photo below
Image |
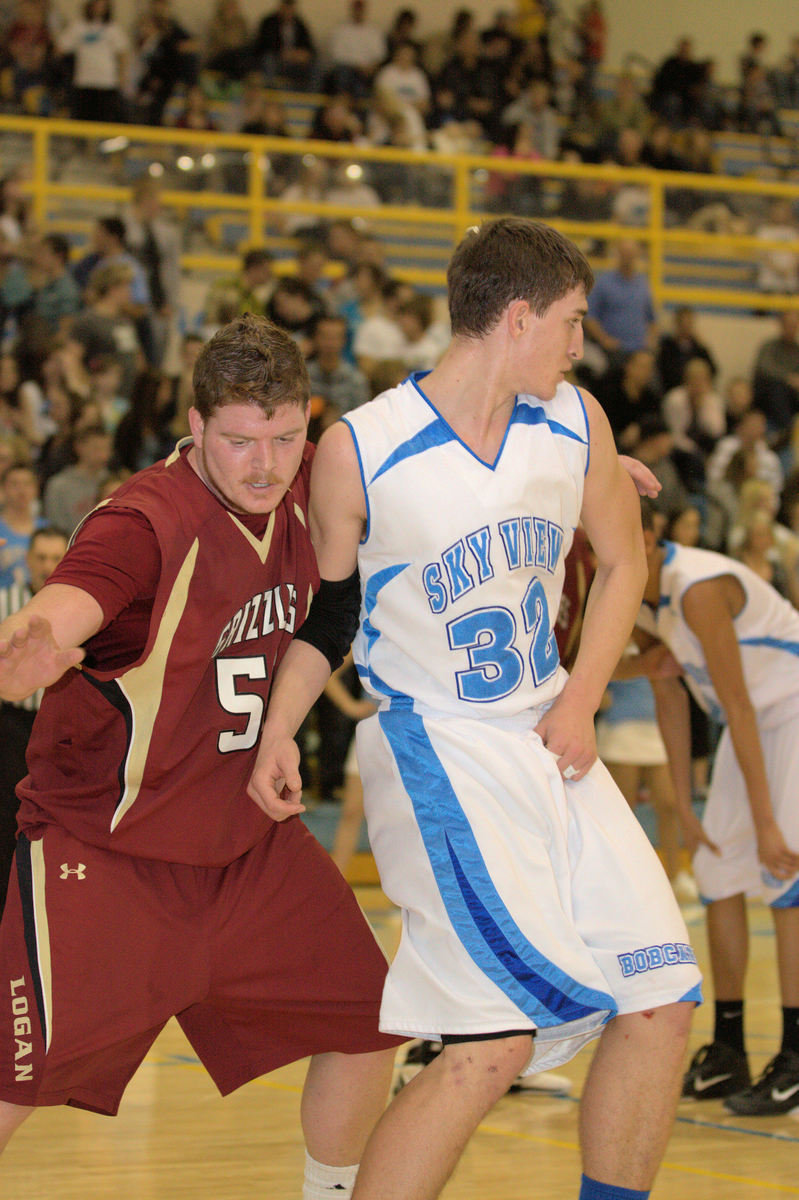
338	504
43	640
611	516
708	608
672	708
337	514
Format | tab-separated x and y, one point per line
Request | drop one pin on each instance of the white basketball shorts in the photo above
728	821
526	902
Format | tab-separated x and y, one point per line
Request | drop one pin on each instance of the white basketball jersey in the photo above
767	630
461	563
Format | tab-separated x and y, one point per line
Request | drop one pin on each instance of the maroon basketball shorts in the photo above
264	961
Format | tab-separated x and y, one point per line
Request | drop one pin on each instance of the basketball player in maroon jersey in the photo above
146	883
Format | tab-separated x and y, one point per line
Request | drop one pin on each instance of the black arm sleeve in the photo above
332	621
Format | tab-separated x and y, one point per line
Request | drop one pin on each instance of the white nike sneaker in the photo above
544	1082
684	887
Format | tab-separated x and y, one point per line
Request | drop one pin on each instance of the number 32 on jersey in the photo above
488	635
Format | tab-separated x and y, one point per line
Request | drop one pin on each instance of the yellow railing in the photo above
462	178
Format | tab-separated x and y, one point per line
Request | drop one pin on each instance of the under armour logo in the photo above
79	870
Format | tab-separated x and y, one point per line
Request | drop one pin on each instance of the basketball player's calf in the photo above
11	1117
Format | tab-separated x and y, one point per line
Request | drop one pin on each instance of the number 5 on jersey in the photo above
240	703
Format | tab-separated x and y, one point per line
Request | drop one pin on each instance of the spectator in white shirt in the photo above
694	412
356	49
379	337
778	270
426	338
101	49
403	79
750	434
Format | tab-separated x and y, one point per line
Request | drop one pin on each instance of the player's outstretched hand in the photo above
647	484
775	854
30	659
568	733
275	785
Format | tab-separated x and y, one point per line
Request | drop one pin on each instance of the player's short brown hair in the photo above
250	361
511	259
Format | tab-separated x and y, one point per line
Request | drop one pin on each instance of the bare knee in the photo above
667	1021
11	1117
493	1064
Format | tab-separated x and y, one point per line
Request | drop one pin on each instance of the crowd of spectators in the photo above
85	392
541	73
96	380
518	90
725	448
84	387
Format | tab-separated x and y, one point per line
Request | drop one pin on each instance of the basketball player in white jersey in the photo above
536	916
737	643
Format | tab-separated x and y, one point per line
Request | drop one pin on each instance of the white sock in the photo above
327	1183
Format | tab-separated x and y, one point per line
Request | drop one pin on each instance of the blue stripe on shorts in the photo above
485	927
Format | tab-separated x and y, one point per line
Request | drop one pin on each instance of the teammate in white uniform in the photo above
532	902
736	641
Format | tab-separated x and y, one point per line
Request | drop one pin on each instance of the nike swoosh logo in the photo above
701	1085
779	1095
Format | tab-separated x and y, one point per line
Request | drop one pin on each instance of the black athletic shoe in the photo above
716	1070
776	1091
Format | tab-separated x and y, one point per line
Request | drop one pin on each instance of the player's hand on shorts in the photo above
275	784
31	659
774	854
646	483
694	835
569	735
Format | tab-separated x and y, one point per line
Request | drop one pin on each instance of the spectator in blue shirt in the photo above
109	248
621	314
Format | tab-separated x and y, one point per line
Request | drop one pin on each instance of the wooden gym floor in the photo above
175	1138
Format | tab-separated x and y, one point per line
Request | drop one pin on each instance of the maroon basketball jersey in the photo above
153	759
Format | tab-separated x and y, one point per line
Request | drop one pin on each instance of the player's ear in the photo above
196	425
518	315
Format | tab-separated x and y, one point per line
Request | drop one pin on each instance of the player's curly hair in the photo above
250	361
511	259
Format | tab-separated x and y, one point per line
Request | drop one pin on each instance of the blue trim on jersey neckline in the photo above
437	433
524	413
482	922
